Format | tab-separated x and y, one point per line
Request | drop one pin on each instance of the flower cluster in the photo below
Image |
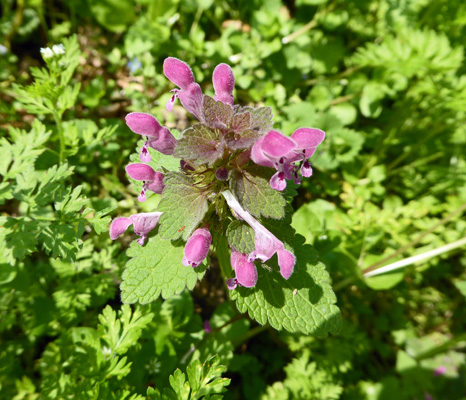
219	157
56	50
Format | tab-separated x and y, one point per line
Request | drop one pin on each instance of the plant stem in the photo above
61	136
418	257
416	240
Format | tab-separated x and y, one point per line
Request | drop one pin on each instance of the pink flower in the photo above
439	371
266	244
281	152
190	93
224	83
158	137
197	247
245	270
143	223
152	180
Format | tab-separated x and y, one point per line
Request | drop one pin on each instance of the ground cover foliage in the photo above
386	81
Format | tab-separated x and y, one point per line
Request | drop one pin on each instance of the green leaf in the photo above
179	385
113	14
183	206
123	332
261	118
253	191
240	237
303	303
206	379
156	269
200	144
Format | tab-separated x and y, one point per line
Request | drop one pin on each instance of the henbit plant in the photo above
225	187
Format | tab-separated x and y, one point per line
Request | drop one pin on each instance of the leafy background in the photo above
385	79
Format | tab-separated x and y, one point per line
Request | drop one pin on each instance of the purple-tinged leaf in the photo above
240	122
200	145
217	114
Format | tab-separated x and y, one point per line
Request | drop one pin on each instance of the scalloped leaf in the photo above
183	206
240	237
253	191
217	114
304	303
156	269
199	144
261	119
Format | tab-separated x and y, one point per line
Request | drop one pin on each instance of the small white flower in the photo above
46	53
58	49
3	50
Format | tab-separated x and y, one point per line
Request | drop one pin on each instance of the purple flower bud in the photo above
224	83
286	261
190	94
142	223
178	72
221	174
158	137
152	180
143	124
197	247
246	272
207	327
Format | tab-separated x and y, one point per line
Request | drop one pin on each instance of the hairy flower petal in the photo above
143	124
246	271
258	156
143	223
266	244
178	72
165	143
119	226
286	261
276	145
141	172
307	138
192	99
224	83
197	247
278	181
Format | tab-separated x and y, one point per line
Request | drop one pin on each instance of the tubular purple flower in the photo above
190	93
151	179
266	244
197	247
281	152
158	137
142	223
245	270
224	83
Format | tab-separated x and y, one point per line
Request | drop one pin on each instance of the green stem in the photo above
419	257
248	335
61	136
416	240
